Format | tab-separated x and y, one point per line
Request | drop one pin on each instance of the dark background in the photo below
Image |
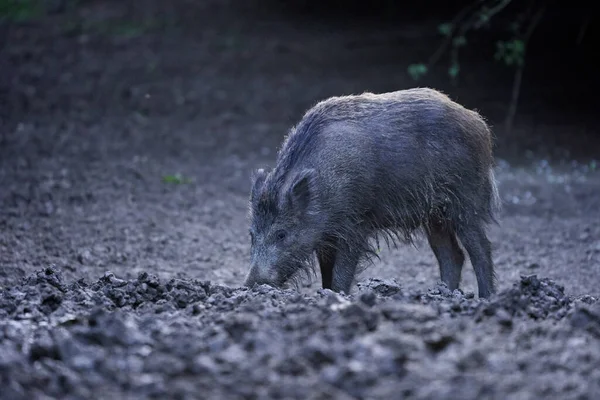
559	82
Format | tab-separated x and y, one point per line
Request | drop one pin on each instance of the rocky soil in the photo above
185	338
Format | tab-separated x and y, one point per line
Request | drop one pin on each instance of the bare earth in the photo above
115	281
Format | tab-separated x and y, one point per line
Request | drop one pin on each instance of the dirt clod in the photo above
144	335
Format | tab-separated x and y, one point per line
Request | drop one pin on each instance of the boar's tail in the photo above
495	201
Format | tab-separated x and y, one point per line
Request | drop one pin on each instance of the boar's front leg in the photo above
326	254
346	260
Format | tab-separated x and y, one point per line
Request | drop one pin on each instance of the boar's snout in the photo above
255	278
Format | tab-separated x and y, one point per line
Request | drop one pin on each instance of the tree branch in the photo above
461	15
516	89
493	11
468	12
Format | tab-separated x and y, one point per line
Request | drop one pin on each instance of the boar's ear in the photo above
301	190
258	179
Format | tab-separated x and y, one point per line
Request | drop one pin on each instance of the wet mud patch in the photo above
178	338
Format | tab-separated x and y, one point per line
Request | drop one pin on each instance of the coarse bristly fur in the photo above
373	166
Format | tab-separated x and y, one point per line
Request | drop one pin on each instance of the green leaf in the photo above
416	71
514	27
510	52
445	29
484	17
459	41
519	46
500	50
454	70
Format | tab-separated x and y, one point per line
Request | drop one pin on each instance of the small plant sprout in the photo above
176	179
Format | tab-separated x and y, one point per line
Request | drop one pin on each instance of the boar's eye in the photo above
280	235
251	237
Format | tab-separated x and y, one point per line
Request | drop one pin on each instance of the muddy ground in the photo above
125	154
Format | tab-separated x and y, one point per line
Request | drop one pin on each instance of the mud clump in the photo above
149	339
531	297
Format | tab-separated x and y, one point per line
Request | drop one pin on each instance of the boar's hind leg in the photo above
478	246
326	257
450	257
